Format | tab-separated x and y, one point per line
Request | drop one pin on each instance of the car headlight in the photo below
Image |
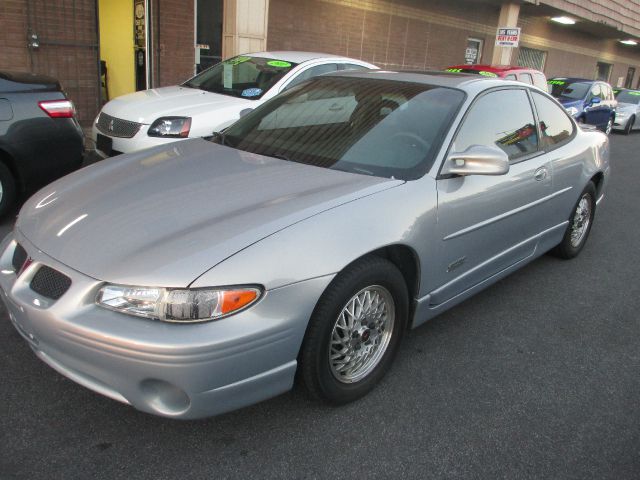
171	127
621	114
573	111
177	305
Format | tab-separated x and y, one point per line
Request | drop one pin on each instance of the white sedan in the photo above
208	102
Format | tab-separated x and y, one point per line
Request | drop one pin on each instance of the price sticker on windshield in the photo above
278	63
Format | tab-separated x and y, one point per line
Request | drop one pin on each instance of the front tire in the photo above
354	332
579	226
609	126
7	189
629	125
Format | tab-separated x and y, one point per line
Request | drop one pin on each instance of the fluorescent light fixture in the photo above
563	20
629	42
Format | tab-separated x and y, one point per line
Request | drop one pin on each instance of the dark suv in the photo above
588	101
40	138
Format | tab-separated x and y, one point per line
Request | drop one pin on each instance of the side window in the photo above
596	91
526	78
511	76
608	94
312	72
540	81
555	125
351	66
502	118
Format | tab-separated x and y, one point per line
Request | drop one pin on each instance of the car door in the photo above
489	223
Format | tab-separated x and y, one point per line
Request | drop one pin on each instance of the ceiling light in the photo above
629	42
563	20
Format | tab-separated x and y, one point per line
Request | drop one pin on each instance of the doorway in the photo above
208	33
123	47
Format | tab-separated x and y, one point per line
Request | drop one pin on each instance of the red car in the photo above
508	72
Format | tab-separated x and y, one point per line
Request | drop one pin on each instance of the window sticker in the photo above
637	94
453	70
236	60
227	75
487	74
278	63
251	92
556	82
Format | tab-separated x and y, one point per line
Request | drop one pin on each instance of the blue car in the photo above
588	101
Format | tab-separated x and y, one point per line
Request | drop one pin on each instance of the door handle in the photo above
541	174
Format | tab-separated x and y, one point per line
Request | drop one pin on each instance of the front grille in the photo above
19	257
117	127
50	283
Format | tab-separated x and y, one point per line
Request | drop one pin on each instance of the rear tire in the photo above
354	332
580	223
629	125
609	126
7	189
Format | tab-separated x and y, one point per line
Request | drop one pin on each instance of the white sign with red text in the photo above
508	37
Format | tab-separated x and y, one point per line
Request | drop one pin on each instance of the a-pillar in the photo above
245	26
508	18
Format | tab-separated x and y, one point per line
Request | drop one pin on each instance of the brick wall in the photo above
402	34
175	53
13	35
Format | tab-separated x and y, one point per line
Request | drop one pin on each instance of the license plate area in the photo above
104	144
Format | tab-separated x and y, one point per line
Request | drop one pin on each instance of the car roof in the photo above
300	57
464	81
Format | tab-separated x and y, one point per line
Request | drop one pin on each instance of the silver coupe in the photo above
195	278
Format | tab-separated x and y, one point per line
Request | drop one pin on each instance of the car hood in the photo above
163	216
148	105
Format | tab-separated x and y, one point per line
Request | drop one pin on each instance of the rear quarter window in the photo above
555	126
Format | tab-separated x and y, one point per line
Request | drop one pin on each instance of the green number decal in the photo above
278	63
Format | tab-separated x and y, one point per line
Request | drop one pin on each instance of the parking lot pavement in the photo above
536	377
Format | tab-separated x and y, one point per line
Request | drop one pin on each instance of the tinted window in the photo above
359	125
351	66
312	72
511	76
243	76
526	78
555	126
629	96
502	118
596	91
540	82
575	91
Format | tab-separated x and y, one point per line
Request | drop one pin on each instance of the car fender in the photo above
326	243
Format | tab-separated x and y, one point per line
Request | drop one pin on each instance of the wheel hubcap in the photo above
361	334
581	221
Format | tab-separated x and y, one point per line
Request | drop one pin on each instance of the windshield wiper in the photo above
280	156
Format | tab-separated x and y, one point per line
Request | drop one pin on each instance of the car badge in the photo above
25	265
111	126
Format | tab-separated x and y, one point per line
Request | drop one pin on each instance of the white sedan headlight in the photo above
621	114
573	111
177	305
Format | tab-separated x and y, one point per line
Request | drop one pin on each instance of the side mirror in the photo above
595	101
477	160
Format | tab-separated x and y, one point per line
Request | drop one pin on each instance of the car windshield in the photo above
369	126
575	90
629	96
484	73
243	76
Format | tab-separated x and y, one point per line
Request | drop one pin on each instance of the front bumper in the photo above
138	142
620	123
180	371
